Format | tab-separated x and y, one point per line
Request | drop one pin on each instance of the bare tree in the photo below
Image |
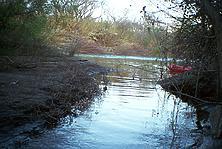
197	35
78	9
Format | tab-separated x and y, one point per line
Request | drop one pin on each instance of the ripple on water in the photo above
133	114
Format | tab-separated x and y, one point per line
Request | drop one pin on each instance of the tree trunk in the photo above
216	17
219	51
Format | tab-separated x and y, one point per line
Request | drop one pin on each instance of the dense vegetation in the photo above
31	27
197	39
21	24
35	26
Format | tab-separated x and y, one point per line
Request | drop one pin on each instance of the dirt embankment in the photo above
38	92
192	84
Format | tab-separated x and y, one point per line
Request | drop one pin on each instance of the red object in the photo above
176	69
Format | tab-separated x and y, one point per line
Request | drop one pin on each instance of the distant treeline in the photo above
29	25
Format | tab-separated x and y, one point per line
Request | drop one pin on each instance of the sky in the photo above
130	9
121	8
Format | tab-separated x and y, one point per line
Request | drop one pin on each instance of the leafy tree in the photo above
24	24
21	23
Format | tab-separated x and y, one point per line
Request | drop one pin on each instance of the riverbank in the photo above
199	90
194	84
38	92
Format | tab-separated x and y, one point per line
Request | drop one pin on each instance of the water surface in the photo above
134	112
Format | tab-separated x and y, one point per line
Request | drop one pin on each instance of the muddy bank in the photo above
37	93
200	85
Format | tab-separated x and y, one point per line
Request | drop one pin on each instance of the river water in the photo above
133	113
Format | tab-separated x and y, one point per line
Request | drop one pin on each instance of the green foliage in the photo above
26	32
21	25
29	24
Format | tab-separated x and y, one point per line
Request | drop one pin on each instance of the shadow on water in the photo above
133	112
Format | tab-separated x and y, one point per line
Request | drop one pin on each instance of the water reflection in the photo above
134	112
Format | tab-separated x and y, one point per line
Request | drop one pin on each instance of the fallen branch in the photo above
9	59
192	97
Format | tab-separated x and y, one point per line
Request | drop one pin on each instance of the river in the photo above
133	113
